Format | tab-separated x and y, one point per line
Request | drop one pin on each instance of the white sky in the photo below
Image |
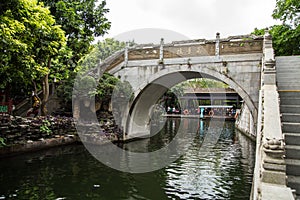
193	18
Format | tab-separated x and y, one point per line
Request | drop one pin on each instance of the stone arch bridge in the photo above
152	69
248	65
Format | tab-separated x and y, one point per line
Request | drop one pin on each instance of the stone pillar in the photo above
126	54
217	48
161	49
161	53
269	71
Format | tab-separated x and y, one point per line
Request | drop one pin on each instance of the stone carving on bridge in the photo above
273	144
269	65
273	161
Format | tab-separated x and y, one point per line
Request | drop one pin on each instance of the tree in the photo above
30	39
82	21
101	51
204	83
287	11
286	40
107	82
286	37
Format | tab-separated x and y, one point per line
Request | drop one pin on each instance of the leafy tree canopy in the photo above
287	11
82	21
100	51
107	84
286	37
29	38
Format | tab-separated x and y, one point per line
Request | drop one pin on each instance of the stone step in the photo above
292	151
289	108
288	87
289	101
287	59
292	138
294	183
290	117
292	167
288	63
290	127
287	79
288	73
289	93
282	76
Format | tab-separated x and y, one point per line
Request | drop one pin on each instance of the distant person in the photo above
169	110
36	102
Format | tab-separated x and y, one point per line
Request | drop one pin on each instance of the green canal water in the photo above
222	170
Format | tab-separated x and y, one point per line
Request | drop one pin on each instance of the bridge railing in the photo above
269	180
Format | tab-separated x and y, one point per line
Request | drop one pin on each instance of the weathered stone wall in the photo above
245	122
18	130
19	134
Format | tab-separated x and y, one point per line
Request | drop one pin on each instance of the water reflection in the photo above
221	170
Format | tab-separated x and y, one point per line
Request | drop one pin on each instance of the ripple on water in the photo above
215	172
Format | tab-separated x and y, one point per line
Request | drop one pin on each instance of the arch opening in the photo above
148	94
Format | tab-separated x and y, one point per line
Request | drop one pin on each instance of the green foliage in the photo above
101	51
2	142
28	37
87	84
177	91
204	83
64	92
107	82
287	11
286	37
44	128
124	89
106	86
39	42
101	90
82	21
286	40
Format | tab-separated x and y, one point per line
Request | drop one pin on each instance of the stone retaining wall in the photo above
245	122
19	134
18	130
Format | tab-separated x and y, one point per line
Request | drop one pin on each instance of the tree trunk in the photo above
34	87
44	111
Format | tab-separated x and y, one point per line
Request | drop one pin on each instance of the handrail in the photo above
269	180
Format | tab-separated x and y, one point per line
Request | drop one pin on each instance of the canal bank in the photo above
19	135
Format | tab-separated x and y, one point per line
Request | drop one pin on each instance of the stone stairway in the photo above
288	82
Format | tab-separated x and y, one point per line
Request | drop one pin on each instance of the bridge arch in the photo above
149	92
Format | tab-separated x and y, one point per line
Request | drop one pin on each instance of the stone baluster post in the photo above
161	53
217	48
269	71
126	54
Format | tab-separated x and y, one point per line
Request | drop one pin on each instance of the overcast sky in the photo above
194	19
